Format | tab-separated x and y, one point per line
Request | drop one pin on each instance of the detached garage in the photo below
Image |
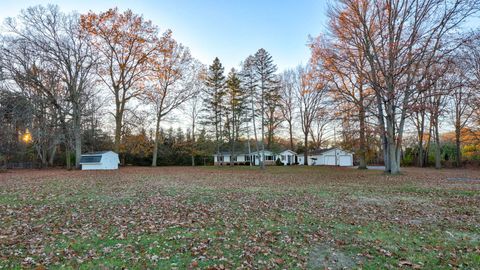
106	160
330	157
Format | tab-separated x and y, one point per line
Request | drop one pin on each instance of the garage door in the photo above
345	161
330	160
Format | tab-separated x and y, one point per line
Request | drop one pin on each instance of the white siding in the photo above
109	161
332	157
345	160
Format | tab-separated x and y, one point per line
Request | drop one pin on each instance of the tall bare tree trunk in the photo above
193	142
392	146
305	154
458	133
155	145
77	135
383	132
119	110
262	161
420	131
52	156
438	158
363	146
118	132
232	142
67	154
255	132
290	133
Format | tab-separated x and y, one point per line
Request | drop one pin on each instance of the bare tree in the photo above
318	130
57	37
193	107
169	87
287	101
41	83
343	65
398	39
461	102
310	92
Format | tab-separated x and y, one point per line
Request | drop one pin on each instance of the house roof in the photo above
322	151
260	152
96	153
288	150
90	159
228	153
245	152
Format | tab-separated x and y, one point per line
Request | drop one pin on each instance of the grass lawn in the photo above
229	218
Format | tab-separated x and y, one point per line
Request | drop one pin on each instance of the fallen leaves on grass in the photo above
217	218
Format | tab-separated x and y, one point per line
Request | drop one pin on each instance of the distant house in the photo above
225	158
287	157
331	157
106	160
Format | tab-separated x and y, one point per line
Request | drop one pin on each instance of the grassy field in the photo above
230	218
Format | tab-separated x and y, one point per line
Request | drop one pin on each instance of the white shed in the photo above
106	160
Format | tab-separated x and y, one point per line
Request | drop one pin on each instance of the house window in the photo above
234	158
219	158
269	158
283	157
247	158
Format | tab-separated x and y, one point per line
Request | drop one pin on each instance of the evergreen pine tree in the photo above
249	83
235	107
269	95
214	100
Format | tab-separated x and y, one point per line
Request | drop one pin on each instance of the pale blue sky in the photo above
229	29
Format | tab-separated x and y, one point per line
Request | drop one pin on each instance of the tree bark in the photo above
155	145
438	161
255	132
77	135
290	132
383	132
118	132
118	120
305	154
420	131
262	160
458	144
193	142
363	151
52	156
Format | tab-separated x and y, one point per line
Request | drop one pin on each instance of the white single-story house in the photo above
106	160
225	158
288	157
240	158
331	157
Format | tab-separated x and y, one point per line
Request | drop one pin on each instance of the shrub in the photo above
278	162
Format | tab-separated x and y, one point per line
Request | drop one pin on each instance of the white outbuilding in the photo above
330	157
106	160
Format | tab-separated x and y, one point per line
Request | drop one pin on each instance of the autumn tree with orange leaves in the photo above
341	64
125	42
